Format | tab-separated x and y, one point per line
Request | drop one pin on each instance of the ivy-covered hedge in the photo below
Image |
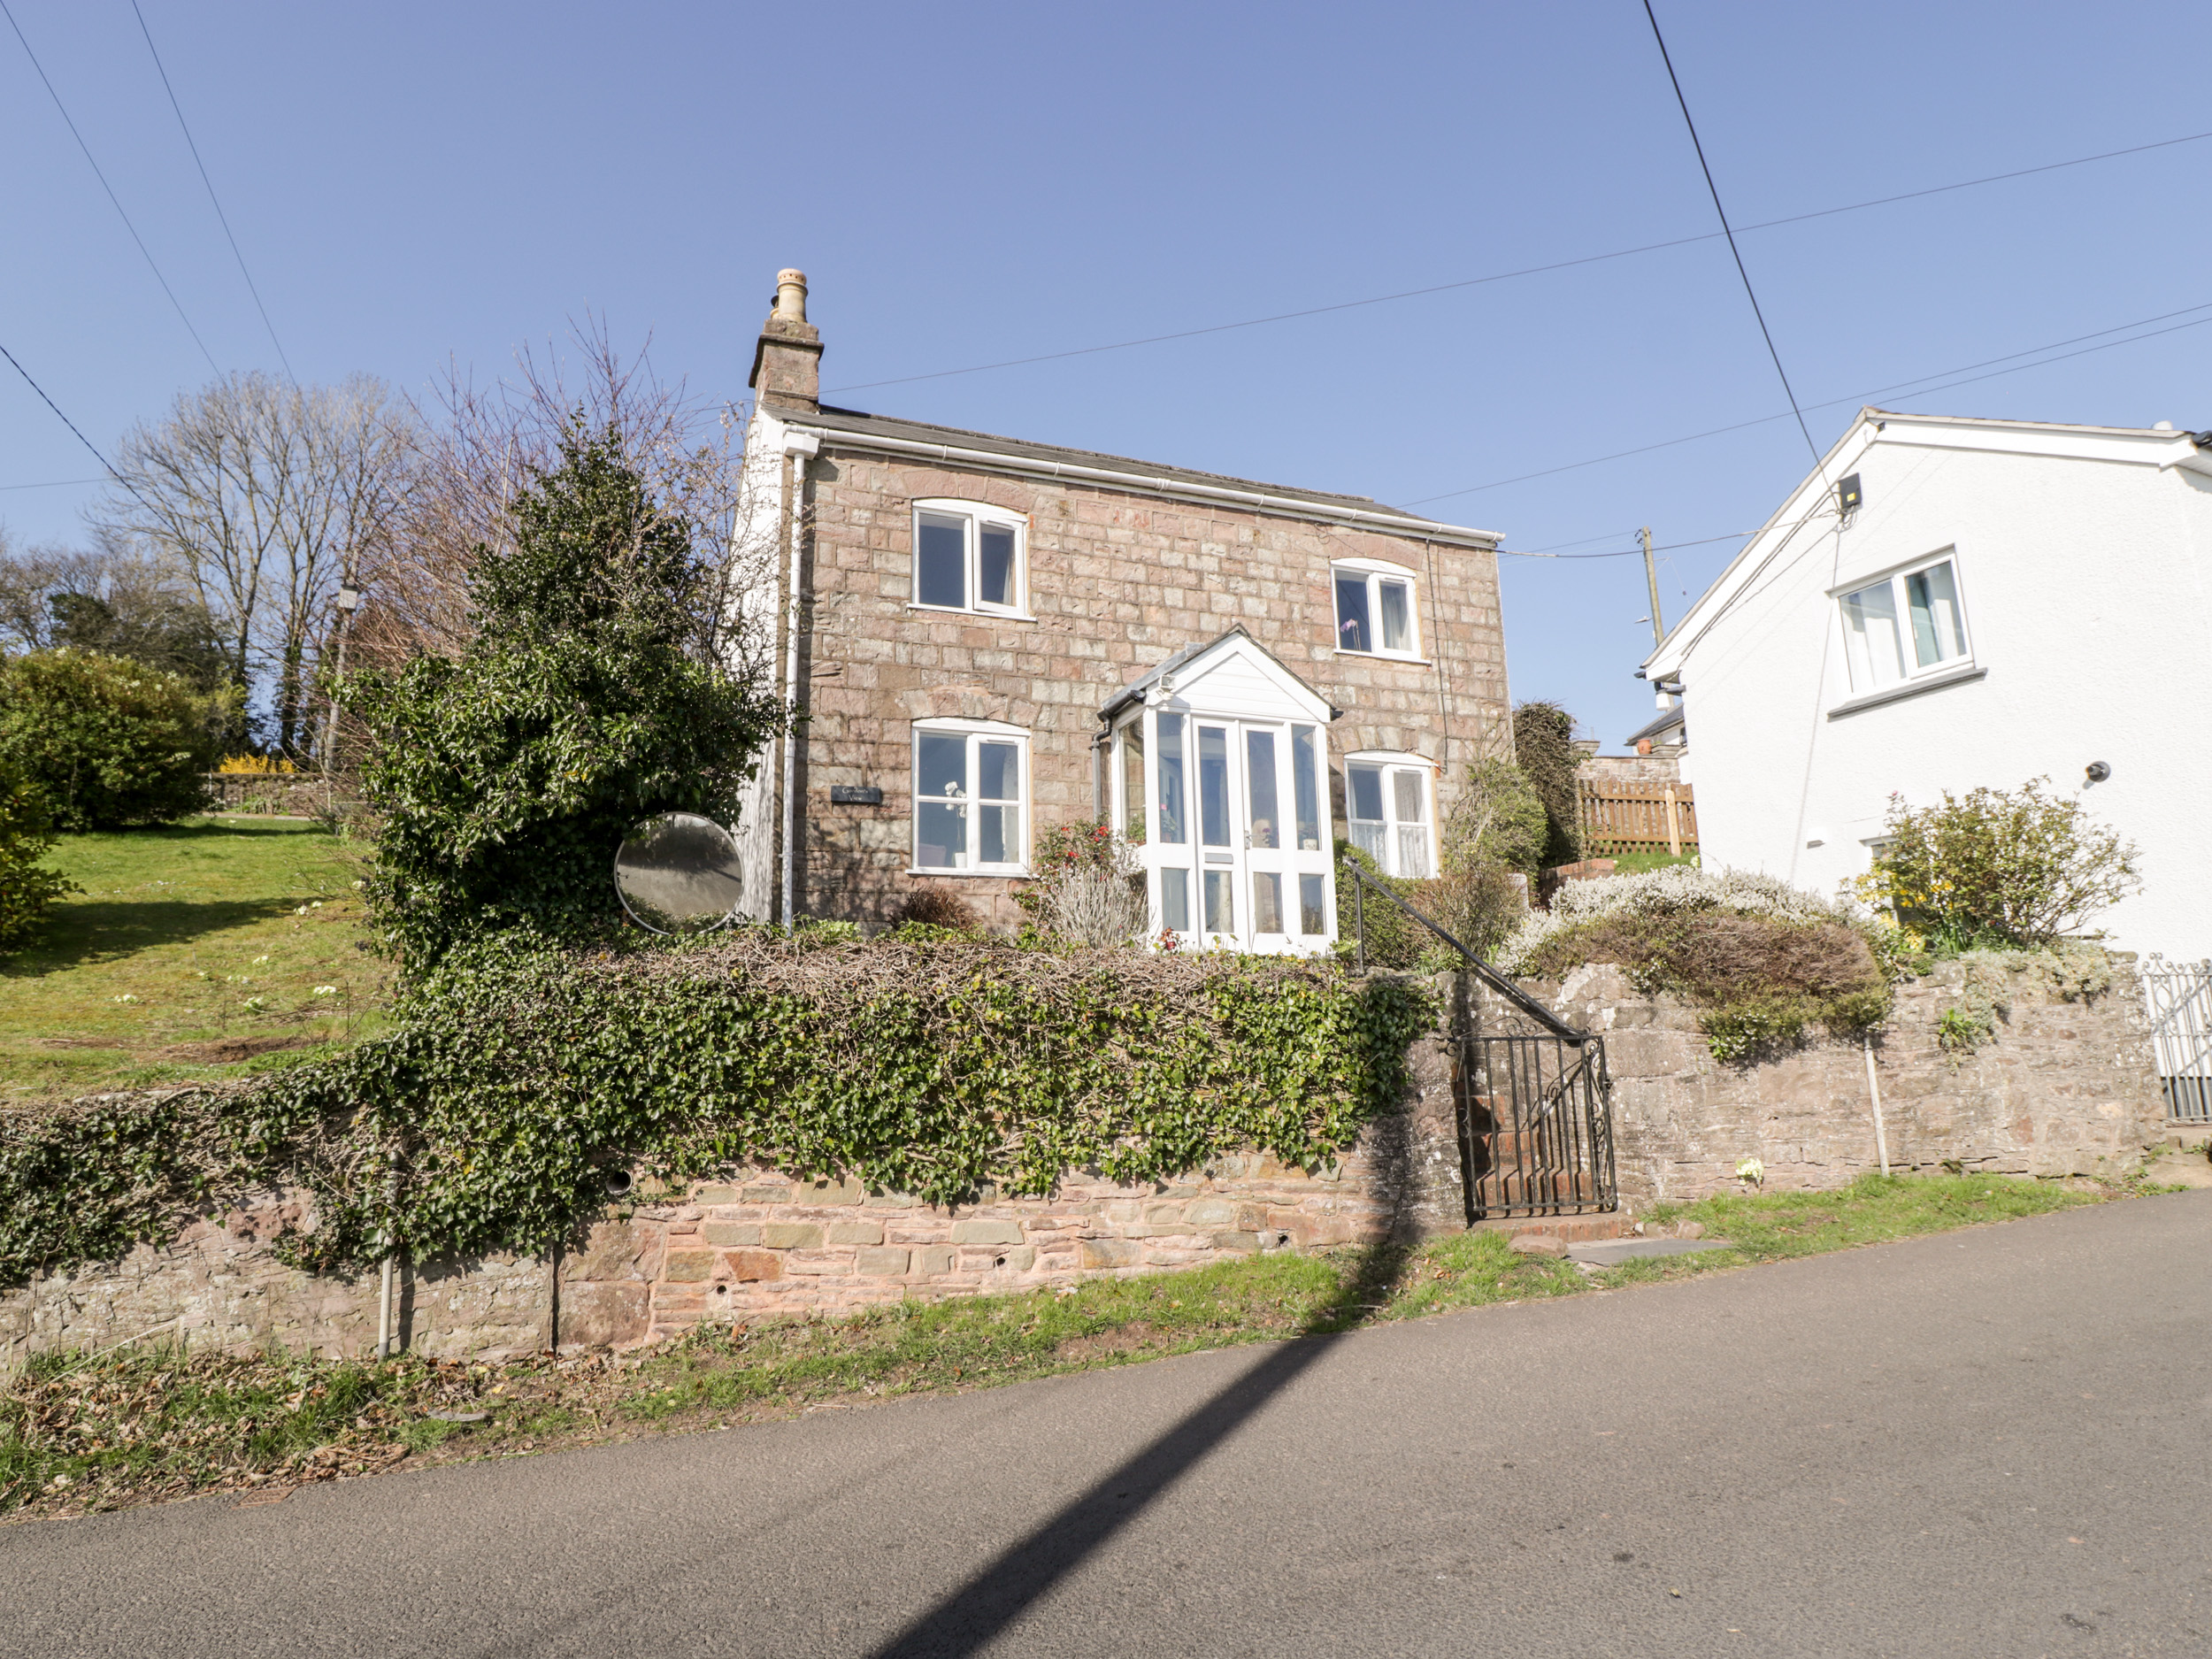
522	1077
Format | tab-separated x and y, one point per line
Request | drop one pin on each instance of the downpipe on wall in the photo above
799	448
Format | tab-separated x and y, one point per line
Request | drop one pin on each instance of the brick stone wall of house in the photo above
2064	1089
1117	582
1660	766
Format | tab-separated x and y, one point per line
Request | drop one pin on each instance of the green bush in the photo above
26	888
1996	867
1543	748
506	778
110	743
522	1077
1499	822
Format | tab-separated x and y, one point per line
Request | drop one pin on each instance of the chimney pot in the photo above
791	295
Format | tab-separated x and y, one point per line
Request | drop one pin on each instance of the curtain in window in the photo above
1869	635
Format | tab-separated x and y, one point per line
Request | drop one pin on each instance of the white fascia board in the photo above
1666	660
1171	488
2129	446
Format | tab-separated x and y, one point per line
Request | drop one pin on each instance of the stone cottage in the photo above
986	637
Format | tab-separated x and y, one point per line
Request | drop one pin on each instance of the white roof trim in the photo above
2137	446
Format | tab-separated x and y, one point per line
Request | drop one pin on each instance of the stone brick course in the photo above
2063	1088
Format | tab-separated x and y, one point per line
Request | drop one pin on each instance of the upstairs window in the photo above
1375	612
1905	626
971	802
968	557
1388	798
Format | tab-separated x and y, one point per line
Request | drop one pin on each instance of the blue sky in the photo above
966	184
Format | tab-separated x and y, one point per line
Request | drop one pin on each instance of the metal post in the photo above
384	1314
1874	1087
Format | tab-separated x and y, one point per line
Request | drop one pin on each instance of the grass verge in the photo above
152	1422
197	950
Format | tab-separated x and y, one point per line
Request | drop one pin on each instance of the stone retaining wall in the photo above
763	1244
2063	1089
2060	1088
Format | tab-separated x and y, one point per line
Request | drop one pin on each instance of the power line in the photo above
51	483
1535	270
112	198
1627	553
1944	382
56	407
221	216
1750	293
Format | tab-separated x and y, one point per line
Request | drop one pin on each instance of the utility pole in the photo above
1651	575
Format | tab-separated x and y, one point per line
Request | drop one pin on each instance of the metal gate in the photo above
2179	998
1535	1103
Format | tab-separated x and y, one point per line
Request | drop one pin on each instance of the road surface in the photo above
1988	1443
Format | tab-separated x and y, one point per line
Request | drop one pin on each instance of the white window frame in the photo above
1913	672
1389	762
1377	571
974	731
976	514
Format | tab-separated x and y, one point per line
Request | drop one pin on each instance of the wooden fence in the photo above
1635	817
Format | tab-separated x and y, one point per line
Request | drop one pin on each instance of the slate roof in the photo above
856	421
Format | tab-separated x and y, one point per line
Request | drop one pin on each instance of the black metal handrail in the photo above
1483	970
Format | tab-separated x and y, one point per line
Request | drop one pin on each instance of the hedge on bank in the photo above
521	1077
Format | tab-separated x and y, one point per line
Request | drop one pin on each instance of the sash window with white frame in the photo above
1909	623
970	557
1376	614
970	797
1388	799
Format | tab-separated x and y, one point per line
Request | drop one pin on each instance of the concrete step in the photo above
1567	1229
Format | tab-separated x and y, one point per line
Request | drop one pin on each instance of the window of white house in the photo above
970	797
1388	805
1905	626
1375	611
968	557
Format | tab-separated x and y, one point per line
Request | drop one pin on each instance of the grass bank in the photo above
154	1421
193	951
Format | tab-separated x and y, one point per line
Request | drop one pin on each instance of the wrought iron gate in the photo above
2178	996
1535	1103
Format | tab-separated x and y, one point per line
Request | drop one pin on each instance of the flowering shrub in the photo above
1089	887
1674	890
1763	961
2000	867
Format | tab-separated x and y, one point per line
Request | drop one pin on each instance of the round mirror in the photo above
678	873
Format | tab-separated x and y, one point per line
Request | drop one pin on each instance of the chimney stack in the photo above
787	362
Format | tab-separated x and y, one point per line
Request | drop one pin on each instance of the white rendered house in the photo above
1948	603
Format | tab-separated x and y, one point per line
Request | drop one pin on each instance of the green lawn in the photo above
193	951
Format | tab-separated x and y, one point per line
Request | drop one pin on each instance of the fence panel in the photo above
1636	817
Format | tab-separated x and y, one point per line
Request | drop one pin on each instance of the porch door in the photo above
1264	858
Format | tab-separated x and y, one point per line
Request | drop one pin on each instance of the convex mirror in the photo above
678	873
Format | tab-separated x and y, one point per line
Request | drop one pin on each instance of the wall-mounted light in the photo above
1847	495
2097	771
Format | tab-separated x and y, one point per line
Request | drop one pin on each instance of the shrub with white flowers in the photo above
1673	890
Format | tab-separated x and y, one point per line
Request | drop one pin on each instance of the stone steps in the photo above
1588	1229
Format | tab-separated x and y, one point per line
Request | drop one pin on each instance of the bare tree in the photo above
267	497
484	445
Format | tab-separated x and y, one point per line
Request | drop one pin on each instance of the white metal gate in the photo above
2179	996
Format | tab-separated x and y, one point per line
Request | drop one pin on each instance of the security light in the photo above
1848	494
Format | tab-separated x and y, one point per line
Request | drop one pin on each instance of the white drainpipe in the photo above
798	448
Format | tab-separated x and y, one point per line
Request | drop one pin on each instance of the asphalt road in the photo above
1991	1443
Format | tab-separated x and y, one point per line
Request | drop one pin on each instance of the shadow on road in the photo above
967	1620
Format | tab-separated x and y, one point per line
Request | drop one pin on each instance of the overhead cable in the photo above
1534	270
222	217
65	419
1944	382
110	189
1751	293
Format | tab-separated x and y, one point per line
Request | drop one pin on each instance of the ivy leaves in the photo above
523	1074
